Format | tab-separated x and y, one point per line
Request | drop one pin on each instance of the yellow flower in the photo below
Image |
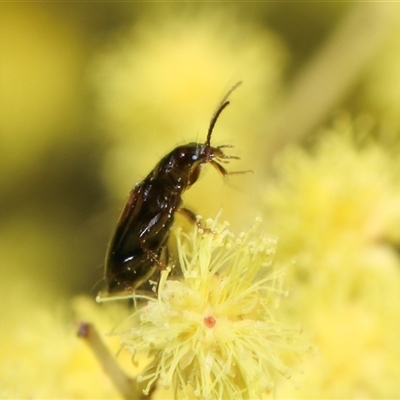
214	333
41	356
337	205
337	209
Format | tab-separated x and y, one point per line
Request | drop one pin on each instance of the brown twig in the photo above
127	386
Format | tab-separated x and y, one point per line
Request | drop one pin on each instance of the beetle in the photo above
139	244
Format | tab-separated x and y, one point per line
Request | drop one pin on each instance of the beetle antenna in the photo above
224	102
214	120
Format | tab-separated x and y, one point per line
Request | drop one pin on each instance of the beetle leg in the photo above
224	172
153	256
192	217
248	171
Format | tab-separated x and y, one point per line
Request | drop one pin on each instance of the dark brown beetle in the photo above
139	244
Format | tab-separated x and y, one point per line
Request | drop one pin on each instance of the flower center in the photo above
209	321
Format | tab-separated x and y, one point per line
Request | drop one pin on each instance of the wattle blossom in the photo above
215	332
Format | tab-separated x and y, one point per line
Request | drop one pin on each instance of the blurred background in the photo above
93	94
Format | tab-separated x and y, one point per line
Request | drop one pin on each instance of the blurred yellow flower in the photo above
214	333
41	356
336	207
337	203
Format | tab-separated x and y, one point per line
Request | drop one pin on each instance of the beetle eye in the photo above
188	157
